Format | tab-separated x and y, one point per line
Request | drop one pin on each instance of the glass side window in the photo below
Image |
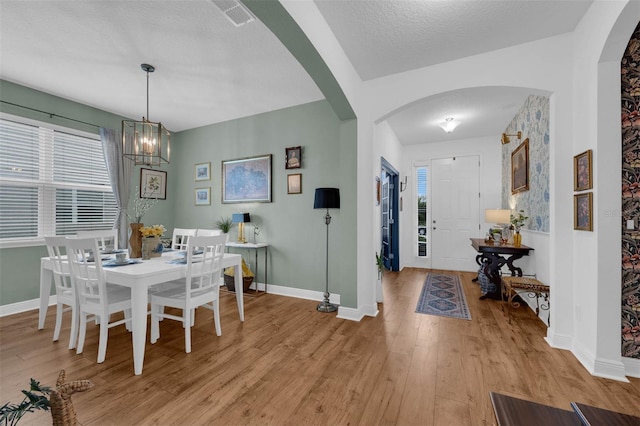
421	202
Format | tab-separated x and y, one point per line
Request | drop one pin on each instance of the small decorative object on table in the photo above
140	208
517	221
151	244
224	224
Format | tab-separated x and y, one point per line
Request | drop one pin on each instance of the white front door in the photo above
455	204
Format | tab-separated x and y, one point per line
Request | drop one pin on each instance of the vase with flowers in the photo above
140	208
151	244
517	220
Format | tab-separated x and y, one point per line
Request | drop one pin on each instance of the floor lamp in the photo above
327	198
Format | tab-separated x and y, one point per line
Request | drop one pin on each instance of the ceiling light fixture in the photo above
449	124
145	142
505	137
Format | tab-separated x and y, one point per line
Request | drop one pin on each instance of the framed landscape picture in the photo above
153	184
247	180
203	197
583	212
520	168
582	174
203	171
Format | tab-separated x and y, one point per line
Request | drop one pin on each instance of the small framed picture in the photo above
520	168
582	175
153	184
583	212
293	158
294	183
203	171
203	196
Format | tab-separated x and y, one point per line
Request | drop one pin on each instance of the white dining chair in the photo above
65	293
181	238
207	232
201	287
107	238
95	298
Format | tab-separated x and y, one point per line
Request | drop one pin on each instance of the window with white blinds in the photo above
52	181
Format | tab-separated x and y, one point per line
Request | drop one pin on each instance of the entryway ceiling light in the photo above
449	124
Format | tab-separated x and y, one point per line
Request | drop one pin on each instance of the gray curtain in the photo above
120	170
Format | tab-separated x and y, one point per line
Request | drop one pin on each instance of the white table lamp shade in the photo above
497	216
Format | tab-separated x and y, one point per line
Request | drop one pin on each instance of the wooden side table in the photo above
529	285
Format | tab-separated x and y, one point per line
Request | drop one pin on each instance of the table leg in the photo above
266	276
46	275
139	300
239	289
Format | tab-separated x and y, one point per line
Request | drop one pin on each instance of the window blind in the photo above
51	182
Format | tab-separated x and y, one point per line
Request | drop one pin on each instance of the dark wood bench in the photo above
512	411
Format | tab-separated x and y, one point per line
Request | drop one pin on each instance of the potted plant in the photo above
380	265
34	399
151	244
224	224
517	221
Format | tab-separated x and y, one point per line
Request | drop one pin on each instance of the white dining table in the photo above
139	277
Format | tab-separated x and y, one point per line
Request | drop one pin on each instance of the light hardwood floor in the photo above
290	365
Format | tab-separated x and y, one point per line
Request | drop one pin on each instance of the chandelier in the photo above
145	142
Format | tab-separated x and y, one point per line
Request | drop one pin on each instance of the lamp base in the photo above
325	306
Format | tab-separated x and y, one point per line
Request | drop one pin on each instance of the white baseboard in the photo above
631	367
27	305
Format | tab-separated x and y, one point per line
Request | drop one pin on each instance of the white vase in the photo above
379	297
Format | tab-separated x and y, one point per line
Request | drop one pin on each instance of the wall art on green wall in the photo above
247	180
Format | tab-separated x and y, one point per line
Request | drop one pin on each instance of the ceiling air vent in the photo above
236	12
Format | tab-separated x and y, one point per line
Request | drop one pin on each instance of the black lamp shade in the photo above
327	198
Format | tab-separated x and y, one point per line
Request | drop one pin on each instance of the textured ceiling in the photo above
387	37
208	70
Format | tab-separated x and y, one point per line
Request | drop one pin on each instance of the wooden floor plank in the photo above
288	364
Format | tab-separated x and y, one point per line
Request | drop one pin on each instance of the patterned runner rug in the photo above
443	295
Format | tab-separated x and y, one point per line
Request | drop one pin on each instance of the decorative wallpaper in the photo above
630	82
533	121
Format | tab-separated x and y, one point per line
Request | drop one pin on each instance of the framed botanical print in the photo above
520	168
582	174
583	211
153	184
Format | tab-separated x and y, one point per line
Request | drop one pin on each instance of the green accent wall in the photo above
293	229
20	266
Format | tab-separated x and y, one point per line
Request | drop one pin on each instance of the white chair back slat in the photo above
88	277
204	270
107	238
181	237
207	232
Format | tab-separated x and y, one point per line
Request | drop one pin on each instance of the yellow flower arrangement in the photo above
152	231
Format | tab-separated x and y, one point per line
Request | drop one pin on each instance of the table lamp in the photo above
327	198
500	217
240	219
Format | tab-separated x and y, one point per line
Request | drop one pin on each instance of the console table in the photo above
494	256
256	247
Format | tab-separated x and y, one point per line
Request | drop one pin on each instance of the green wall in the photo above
293	229
20	266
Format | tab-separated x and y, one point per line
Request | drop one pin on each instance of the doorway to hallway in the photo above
389	178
